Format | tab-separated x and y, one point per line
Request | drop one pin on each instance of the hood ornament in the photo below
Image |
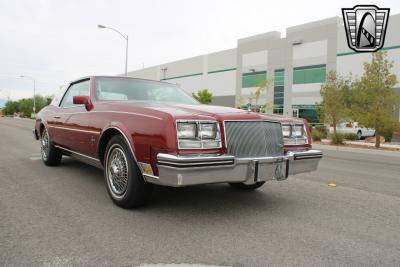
248	107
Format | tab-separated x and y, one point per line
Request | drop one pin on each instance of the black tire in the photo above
51	156
359	135
125	183
242	186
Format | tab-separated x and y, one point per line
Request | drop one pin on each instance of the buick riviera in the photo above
144	132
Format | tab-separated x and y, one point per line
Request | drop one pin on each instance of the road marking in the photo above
332	185
35	157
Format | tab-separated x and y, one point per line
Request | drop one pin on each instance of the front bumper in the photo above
205	169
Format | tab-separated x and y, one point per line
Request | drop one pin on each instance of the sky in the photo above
56	41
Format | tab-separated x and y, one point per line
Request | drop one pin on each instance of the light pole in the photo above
126	49
34	92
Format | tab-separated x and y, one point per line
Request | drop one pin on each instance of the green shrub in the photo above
350	136
387	134
316	135
337	139
322	129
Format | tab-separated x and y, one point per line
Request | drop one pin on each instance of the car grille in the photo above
253	138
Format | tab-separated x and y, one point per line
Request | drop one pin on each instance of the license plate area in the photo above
258	170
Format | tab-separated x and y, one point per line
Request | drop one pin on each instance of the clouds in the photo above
57	41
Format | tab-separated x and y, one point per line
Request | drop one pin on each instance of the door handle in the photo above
56	117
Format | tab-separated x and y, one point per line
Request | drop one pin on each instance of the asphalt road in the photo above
63	216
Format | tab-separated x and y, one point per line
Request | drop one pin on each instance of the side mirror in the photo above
82	100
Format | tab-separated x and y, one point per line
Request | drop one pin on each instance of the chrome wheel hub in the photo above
117	171
44	147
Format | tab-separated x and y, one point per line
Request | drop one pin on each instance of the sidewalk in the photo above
363	150
362	144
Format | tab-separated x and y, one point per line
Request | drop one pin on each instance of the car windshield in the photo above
135	89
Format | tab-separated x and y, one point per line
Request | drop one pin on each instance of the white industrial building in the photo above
297	64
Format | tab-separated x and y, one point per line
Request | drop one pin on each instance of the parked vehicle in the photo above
144	132
353	128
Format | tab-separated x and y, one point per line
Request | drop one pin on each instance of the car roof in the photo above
117	77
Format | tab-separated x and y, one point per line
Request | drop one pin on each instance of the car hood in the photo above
174	109
201	112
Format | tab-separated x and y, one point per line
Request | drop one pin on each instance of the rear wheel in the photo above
243	186
125	183
51	156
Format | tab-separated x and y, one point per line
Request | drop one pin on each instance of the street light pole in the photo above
126	39
126	57
34	93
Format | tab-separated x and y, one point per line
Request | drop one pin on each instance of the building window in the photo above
308	112
253	79
309	74
279	90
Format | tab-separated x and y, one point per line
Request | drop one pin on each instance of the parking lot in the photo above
63	215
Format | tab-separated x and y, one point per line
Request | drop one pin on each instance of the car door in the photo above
75	132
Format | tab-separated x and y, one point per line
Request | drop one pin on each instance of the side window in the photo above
81	88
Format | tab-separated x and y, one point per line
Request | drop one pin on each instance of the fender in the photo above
128	138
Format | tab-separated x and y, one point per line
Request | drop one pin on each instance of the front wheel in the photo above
359	135
51	156
243	186
125	183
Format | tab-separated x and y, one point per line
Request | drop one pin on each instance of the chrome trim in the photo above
201	139
175	170
200	164
77	153
110	111
150	176
193	158
304	161
193	169
71	129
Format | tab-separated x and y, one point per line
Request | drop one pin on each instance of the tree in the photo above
262	87
203	96
11	107
25	105
374	97
333	92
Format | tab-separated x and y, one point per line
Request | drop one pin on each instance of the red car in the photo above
144	132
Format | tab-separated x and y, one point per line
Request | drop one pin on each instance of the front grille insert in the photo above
253	138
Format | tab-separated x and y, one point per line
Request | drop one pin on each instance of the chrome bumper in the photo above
205	169
304	161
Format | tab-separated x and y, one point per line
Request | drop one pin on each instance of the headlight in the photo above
298	131
294	134
186	130
286	130
198	134
208	130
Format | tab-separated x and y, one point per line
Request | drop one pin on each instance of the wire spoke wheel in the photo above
117	171
44	145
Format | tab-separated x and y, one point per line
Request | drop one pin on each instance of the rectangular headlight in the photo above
294	134
208	130
298	131
286	130
186	130
198	134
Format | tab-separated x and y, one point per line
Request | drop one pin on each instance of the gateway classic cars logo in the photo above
365	27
